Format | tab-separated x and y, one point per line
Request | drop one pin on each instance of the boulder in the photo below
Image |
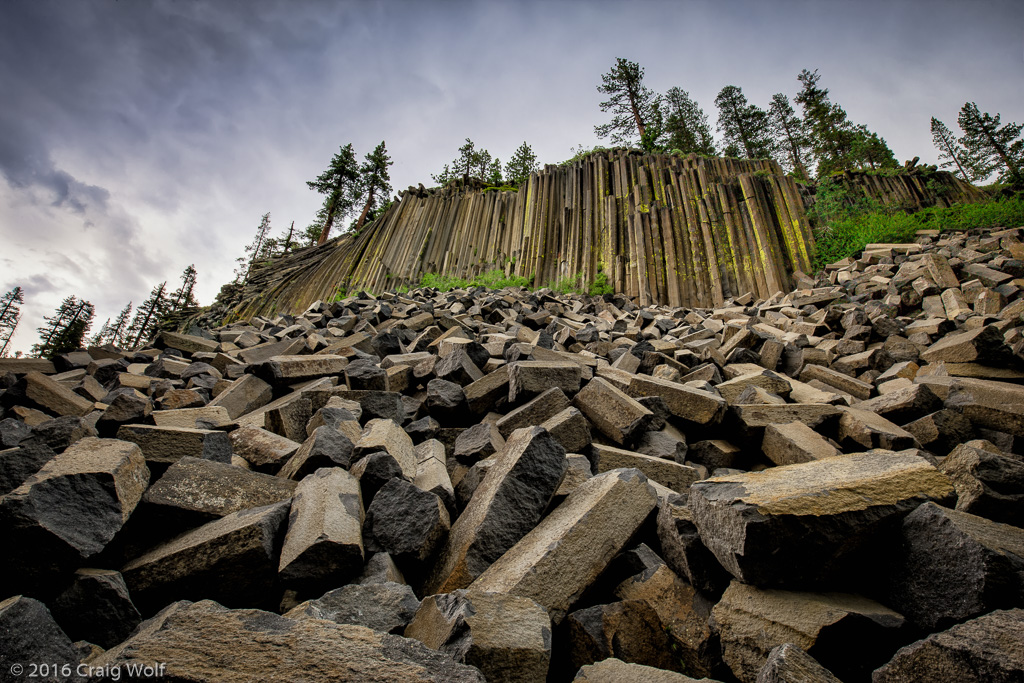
386	607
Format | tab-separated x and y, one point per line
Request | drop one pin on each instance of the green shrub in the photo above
600	285
843	233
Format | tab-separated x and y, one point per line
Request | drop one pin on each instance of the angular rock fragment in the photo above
327	447
556	561
951	566
629	629
789	664
203	640
941	431
795	442
167	445
666	472
753	621
689	404
265	451
32	646
410	524
96	607
386	607
864	430
245	395
73	506
987	649
232	560
527	379
505	506
796	524
537	411
685	553
324	544
616	415
987	483
507	637
387	435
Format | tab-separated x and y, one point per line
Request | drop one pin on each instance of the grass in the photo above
496	279
845	231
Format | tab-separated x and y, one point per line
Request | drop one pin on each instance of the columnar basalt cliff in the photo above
680	231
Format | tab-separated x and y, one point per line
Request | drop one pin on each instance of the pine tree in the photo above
374	180
632	104
66	329
101	337
340	184
10	316
994	147
743	124
119	330
830	131
790	136
471	162
148	316
183	296
493	175
868	149
951	152
521	165
686	126
255	251
286	241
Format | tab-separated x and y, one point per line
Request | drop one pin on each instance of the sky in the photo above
138	137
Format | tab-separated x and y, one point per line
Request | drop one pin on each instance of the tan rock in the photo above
666	472
562	555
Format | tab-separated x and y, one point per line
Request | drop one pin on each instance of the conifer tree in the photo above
521	165
340	184
743	124
183	296
254	251
119	330
868	149
374	180
994	147
66	329
286	241
790	136
830	131
101	337
632	104
686	126
147	317
951	152
10	316
471	162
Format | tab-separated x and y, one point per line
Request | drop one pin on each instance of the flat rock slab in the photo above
507	637
666	472
693	405
794	524
53	396
386	607
205	641
205	417
265	451
245	395
74	505
537	411
232	560
613	670
789	664
619	417
753	621
193	492
527	379
506	505
794	442
290	369
951	566
561	556
324	543
169	444
989	649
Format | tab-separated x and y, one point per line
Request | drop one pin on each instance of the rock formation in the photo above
517	486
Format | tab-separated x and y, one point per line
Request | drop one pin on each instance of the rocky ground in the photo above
512	486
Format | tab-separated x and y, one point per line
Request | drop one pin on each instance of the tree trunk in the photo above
288	239
952	154
3	349
366	210
328	222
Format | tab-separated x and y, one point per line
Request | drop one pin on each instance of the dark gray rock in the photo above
446	402
96	607
327	447
32	646
951	566
18	464
685	553
385	607
13	432
987	483
988	649
409	524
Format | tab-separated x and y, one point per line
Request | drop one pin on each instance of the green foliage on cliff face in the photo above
845	229
496	279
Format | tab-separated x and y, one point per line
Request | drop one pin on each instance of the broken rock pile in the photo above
513	486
